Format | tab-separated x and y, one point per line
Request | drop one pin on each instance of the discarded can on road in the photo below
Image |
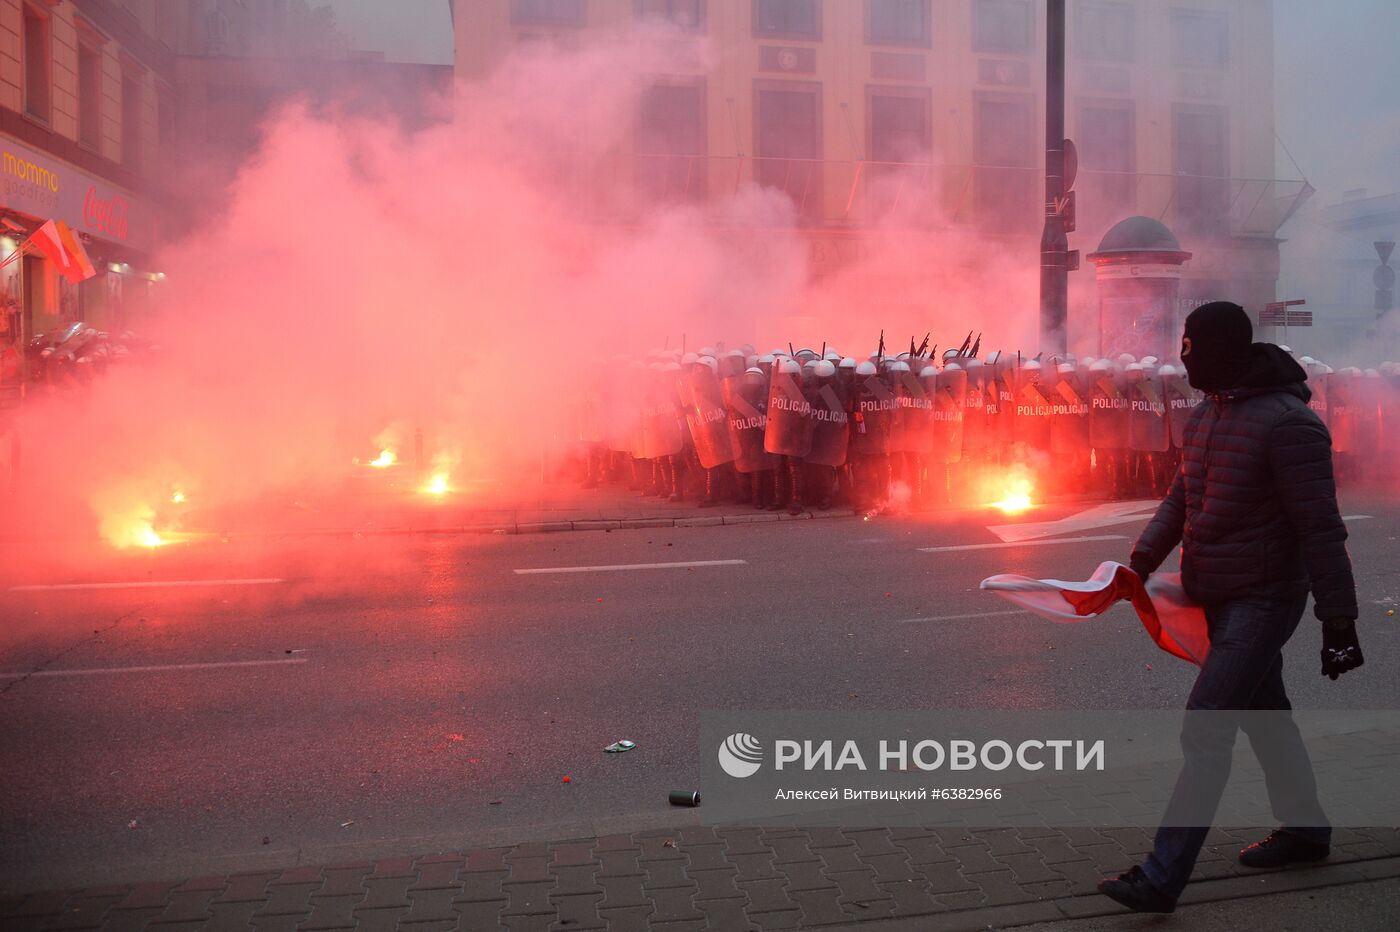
685	798
620	747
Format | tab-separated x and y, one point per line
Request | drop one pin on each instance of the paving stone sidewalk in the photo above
699	878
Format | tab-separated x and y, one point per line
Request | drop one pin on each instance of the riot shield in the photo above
746	400
789	430
974	403
1181	400
1148	431
950	394
1069	415
1001	410
1345	410
873	412
706	417
914	430
661	416
1031	406
1108	411
831	425
1317	385
1368	418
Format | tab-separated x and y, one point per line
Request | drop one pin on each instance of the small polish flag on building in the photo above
60	246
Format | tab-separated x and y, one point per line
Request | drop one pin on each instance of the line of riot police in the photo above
908	431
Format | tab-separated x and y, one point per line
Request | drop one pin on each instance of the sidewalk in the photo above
703	878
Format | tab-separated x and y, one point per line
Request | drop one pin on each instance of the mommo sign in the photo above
41	186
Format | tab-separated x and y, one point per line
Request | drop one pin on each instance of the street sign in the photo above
1277	314
1383	249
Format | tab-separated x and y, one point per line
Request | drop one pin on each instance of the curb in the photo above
630	524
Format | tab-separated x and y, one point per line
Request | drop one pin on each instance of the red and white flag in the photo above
61	247
1175	623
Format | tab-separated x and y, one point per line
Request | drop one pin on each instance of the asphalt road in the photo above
320	699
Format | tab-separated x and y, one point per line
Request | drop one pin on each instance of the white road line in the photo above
1357	517
1096	517
910	621
223	665
146	584
1024	543
629	566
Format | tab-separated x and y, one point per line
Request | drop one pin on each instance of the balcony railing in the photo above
929	195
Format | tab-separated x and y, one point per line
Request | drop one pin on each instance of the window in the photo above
1200	39
670	142
788	143
800	19
687	14
89	96
1108	155
547	12
898	122
1200	157
899	126
1001	26
36	64
897	22
132	119
1104	32
1006	181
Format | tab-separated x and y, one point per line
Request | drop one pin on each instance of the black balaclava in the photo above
1215	347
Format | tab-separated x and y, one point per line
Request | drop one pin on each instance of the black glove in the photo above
1140	567
1341	651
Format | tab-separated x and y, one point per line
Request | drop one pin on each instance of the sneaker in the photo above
1136	892
1283	848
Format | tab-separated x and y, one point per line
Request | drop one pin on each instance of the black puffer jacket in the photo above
1254	503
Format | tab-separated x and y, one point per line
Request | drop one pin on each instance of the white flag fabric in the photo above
1173	621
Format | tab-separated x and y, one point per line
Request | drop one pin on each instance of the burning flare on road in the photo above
1011	492
1018	498
132	528
385	459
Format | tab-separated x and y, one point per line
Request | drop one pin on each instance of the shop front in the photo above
117	228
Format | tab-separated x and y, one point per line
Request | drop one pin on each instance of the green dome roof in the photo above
1139	234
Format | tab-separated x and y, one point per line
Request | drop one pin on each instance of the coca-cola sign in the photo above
108	215
40	185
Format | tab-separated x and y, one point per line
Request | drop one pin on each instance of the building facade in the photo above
86	120
125	119
1340	259
929	115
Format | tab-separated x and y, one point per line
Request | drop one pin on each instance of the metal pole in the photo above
1054	245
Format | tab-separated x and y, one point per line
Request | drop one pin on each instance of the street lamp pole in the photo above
1054	244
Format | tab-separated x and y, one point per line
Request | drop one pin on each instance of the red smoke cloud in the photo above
461	280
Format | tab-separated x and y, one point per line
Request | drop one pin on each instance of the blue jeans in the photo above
1243	671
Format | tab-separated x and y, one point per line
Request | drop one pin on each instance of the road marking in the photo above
1357	517
1008	545
910	621
629	566
223	665
150	584
1099	516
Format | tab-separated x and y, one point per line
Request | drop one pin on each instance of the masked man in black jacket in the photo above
1254	506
